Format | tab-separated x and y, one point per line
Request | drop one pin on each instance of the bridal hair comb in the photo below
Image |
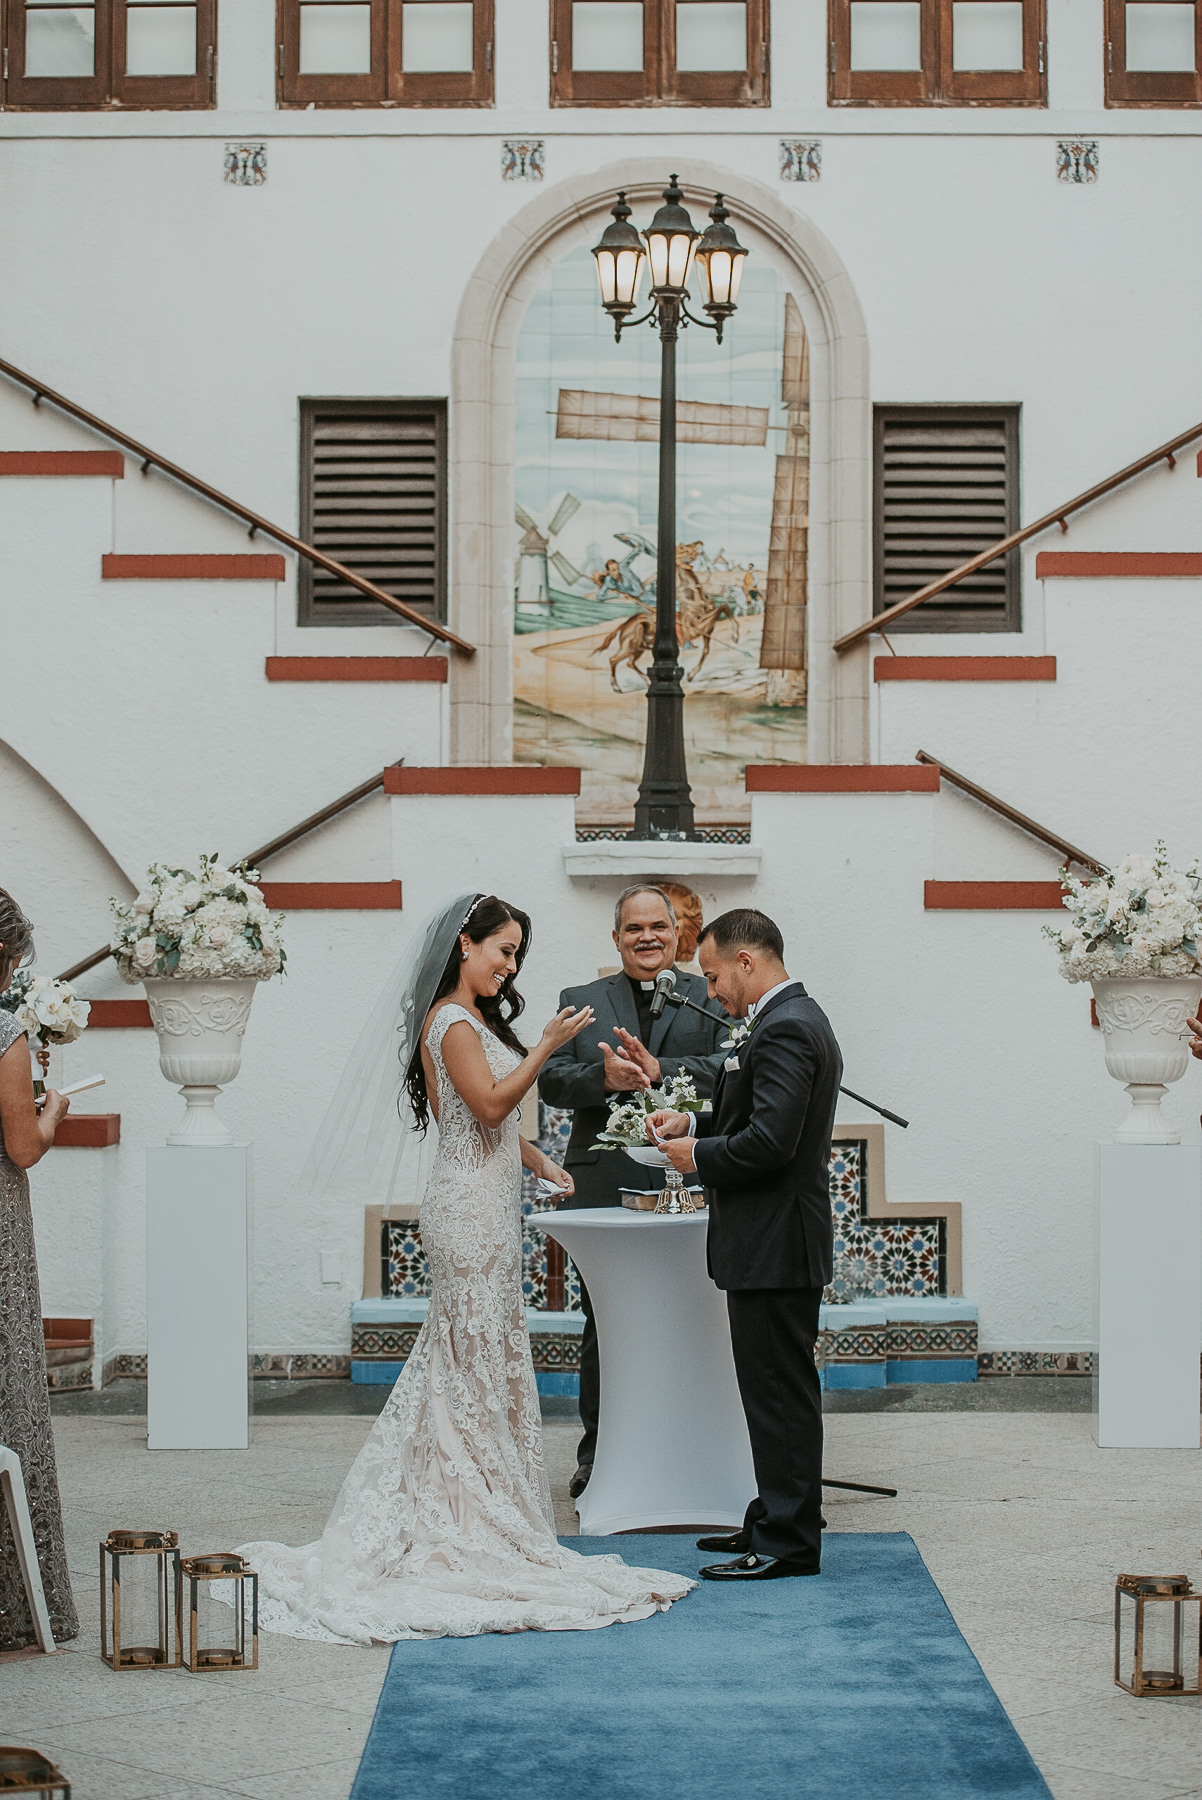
471	909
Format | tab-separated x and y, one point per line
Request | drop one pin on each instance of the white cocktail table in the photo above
672	1448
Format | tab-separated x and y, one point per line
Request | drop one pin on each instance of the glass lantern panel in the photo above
607	35
437	40
160	40
60	43
886	34
1160	37
335	40
220	1628
1163	1646
711	35
143	1603
987	34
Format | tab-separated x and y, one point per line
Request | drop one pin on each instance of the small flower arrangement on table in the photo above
1142	918
49	1011
626	1126
209	926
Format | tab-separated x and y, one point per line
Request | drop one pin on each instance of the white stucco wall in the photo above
140	725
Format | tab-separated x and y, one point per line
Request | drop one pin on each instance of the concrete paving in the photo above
1023	1522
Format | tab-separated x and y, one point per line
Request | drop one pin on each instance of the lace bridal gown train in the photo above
444	1527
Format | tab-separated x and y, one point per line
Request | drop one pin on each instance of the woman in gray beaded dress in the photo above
25	1137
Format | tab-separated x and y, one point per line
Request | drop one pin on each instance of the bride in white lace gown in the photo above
444	1525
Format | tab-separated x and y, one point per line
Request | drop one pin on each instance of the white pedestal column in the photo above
1149	1295
197	1306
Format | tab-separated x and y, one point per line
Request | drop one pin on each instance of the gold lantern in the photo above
1157	1635
29	1772
139	1617
219	1633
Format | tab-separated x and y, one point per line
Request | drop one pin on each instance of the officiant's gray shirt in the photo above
682	1040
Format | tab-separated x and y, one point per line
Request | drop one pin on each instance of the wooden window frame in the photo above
937	83
659	83
109	89
314	611
930	618
1148	88
386	84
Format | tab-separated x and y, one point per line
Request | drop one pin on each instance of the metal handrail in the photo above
263	852
1057	517
1069	851
258	525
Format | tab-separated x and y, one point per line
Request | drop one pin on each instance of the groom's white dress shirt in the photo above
754	1007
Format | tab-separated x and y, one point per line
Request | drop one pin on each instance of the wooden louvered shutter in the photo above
946	488
373	495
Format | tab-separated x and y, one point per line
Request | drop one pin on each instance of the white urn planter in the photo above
200	1025
1144	1034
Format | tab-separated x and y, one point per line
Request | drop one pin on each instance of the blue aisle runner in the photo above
852	1685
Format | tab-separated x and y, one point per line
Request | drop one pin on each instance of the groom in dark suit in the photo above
763	1154
629	1052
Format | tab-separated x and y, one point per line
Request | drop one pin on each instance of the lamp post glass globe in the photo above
720	257
620	258
671	239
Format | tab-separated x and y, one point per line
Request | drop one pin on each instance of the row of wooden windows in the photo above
63	55
374	476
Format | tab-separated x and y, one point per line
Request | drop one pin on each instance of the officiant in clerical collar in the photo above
589	1072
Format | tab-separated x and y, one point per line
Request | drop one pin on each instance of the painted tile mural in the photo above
585	540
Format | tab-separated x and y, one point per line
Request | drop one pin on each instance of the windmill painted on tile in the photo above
535	553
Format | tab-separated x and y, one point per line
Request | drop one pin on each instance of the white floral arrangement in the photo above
198	927
627	1122
1143	918
46	1008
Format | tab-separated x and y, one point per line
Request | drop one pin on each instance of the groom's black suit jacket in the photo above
574	1076
763	1153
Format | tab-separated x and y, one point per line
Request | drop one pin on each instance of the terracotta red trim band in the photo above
992	896
88	1131
248	567
459	778
67	1334
333	896
964	668
1118	563
356	668
63	462
114	1015
841	778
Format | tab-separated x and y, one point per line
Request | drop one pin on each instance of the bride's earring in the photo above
463	956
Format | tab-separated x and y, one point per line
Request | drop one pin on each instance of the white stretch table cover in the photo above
1149	1295
197	1313
672	1448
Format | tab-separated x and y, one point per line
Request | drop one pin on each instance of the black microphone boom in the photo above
664	995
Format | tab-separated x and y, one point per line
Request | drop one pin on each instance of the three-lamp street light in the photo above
672	247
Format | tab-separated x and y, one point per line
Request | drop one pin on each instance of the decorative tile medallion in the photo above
246	165
405	1273
1077	159
522	159
878	1257
801	159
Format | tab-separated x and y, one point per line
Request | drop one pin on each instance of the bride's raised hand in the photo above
566	1025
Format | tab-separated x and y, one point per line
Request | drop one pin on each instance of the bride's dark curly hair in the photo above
488	915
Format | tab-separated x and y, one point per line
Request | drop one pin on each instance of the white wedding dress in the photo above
444	1526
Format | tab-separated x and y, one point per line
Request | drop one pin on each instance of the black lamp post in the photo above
672	246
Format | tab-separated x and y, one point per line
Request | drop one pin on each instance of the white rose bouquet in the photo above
197	927
49	1010
1143	918
627	1122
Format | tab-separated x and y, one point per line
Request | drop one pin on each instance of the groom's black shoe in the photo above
754	1567
580	1480
731	1541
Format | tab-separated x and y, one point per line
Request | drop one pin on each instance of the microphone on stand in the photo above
665	983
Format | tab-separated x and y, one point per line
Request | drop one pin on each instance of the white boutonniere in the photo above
738	1035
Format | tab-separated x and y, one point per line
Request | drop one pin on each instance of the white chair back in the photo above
12	1485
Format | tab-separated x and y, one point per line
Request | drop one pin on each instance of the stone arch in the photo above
483	384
